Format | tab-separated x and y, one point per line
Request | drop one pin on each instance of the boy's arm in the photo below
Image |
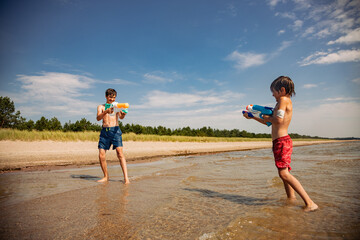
101	113
121	115
255	118
279	112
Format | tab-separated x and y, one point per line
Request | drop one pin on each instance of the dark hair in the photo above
285	82
110	91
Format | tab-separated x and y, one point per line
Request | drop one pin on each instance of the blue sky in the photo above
184	63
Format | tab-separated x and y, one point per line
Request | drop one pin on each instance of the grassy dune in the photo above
17	135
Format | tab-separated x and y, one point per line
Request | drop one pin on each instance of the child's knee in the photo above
119	153
102	154
284	174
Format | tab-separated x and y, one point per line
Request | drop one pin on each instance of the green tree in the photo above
7	117
29	125
82	125
67	127
22	124
54	124
137	129
42	124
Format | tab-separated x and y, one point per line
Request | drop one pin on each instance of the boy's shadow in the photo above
250	201
85	177
91	178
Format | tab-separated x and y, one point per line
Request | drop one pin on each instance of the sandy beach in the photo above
19	155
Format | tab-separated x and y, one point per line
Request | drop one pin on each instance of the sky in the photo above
184	63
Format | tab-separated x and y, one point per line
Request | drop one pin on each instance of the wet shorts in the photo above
282	149
108	136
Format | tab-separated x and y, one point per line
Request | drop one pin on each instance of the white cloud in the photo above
249	59
151	78
281	32
166	100
308	31
351	37
323	33
284	45
49	84
246	60
332	57
159	77
273	3
54	93
338	99
302	4
356	80
321	19
310	85
289	15
317	120
297	24
219	83
119	81
219	109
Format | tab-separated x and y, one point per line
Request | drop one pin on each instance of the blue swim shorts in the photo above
110	135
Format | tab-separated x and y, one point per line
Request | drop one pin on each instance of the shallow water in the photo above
234	195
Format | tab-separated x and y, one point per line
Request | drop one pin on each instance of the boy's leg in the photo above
121	157
102	159
296	185
289	191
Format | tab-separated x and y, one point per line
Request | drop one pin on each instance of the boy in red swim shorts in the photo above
282	89
282	149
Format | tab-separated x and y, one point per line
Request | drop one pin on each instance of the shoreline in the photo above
51	155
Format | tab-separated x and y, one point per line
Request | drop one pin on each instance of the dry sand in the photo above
19	155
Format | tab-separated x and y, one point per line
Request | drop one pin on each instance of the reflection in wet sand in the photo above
111	214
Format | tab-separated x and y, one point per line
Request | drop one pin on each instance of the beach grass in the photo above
17	135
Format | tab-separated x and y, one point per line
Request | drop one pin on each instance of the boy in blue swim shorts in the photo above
110	135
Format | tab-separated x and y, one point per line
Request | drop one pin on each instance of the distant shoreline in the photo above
48	155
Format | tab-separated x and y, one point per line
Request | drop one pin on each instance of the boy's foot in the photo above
105	179
127	181
311	208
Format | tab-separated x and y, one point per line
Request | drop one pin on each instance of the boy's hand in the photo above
109	110
266	118
245	114
122	114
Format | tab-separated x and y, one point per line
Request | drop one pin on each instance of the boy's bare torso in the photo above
280	128
108	120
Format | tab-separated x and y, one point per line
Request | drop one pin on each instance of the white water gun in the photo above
117	107
258	111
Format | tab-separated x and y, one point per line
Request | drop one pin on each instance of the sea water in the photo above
234	195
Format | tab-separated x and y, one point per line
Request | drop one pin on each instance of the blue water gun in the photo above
258	111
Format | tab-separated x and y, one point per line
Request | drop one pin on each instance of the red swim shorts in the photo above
282	149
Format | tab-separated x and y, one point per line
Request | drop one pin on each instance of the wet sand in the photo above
231	195
37	155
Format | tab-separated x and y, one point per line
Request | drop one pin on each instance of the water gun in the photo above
258	111
117	107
